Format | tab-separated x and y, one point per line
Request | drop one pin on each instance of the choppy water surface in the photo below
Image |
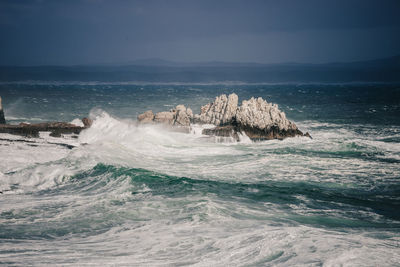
132	195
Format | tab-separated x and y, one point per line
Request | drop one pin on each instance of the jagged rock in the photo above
146	117
220	112
179	116
258	113
262	120
2	118
257	118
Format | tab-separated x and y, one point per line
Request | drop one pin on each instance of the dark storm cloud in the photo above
86	31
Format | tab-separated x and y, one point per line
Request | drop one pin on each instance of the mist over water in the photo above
128	194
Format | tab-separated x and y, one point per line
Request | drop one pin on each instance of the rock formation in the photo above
220	112
182	115
2	118
261	120
56	129
257	118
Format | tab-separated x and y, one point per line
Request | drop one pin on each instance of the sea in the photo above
123	194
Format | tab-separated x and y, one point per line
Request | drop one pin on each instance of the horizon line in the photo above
136	62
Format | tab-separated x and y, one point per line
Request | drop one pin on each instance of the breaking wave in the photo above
147	195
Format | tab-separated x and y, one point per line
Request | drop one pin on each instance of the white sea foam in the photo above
132	224
328	156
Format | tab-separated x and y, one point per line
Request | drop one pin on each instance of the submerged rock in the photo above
223	131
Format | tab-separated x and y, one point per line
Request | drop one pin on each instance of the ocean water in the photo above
143	196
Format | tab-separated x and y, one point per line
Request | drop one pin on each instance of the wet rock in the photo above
256	134
56	129
308	135
2	118
55	134
223	131
87	122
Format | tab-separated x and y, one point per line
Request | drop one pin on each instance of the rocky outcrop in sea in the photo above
255	117
56	129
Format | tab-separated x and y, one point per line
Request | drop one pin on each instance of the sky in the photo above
71	32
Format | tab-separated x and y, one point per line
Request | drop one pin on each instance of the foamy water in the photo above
129	194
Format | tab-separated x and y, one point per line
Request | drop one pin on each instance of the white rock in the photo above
221	111
258	113
165	117
181	116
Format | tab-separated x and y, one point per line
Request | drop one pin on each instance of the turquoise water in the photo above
141	195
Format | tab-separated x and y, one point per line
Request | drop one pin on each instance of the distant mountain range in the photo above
167	63
389	61
158	70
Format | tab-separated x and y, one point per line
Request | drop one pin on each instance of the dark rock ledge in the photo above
2	118
56	129
255	117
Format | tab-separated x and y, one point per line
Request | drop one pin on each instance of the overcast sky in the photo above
37	32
